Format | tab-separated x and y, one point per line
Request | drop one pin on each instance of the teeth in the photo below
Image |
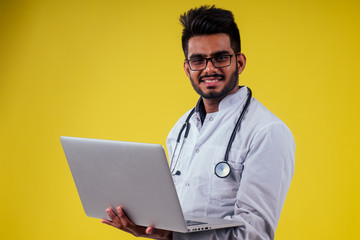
210	81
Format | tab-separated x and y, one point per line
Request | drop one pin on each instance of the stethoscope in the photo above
222	169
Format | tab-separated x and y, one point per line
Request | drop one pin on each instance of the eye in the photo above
197	61
221	58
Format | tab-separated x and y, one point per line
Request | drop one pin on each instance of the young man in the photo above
238	158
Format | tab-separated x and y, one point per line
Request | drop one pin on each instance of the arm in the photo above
268	169
121	221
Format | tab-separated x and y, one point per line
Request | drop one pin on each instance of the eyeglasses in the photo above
198	64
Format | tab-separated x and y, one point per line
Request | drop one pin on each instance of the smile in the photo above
210	81
211	78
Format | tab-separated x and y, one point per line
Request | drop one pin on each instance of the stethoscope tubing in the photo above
222	169
186	126
238	125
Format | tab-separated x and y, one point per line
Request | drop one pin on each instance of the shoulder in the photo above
269	140
261	121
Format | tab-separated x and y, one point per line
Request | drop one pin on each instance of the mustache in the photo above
221	76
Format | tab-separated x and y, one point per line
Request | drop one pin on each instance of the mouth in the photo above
211	80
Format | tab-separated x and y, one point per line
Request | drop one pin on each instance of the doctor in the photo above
230	156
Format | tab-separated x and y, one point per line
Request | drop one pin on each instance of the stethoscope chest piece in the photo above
222	169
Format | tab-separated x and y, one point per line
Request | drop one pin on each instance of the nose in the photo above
210	66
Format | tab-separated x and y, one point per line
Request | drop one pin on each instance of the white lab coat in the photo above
262	162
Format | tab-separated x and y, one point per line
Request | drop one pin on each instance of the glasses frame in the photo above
212	61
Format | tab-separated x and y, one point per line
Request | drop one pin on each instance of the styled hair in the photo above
207	20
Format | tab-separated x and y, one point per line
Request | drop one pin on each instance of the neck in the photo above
211	105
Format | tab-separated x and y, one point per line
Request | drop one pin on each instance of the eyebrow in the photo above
198	55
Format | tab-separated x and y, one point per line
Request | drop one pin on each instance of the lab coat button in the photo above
210	118
197	150
187	184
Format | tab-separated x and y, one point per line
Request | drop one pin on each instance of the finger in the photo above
107	221
113	216
111	213
158	233
128	225
125	221
150	230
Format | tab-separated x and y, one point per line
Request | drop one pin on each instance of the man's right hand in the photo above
121	221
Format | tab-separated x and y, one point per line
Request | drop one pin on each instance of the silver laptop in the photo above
135	176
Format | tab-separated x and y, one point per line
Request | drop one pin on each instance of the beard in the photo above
233	82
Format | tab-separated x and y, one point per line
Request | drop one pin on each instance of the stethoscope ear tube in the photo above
237	125
186	126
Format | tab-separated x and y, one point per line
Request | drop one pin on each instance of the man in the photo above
259	160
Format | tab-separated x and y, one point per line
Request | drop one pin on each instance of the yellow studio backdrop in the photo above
114	70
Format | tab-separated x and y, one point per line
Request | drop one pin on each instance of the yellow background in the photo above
113	70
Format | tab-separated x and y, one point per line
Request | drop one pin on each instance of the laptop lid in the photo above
134	175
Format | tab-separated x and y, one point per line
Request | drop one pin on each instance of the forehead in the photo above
209	44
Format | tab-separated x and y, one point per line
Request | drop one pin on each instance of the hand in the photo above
122	222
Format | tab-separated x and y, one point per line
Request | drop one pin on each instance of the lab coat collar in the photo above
236	98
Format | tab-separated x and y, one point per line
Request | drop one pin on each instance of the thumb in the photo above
149	230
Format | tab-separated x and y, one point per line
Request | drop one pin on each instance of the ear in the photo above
241	62
187	69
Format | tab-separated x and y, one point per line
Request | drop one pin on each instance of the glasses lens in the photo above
197	64
221	61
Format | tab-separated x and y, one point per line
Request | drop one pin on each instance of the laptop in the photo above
134	175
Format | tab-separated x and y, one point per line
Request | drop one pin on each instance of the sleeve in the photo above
268	170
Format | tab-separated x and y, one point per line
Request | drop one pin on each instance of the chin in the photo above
213	95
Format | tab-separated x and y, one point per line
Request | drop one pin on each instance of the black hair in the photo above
207	20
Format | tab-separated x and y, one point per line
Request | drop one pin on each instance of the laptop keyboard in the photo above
193	223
